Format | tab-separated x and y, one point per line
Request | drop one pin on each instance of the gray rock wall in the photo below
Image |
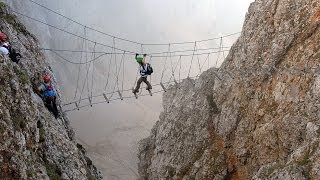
33	144
257	117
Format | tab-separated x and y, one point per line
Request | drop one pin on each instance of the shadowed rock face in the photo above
261	120
33	144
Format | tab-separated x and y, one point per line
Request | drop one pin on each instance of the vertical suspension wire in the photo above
207	59
165	63
116	84
120	64
109	68
79	69
123	69
87	69
194	48
172	70
222	49
93	68
116	67
219	51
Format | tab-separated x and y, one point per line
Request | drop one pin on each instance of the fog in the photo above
110	132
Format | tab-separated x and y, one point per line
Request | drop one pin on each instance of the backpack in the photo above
149	69
14	56
49	91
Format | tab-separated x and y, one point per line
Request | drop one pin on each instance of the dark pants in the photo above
142	79
52	106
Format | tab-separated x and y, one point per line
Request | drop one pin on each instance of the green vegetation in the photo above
23	77
30	174
53	171
303	162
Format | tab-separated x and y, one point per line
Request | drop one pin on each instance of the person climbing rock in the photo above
145	70
49	95
6	49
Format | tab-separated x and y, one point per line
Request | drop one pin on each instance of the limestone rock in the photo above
33	144
261	120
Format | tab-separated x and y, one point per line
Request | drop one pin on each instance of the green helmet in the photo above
139	59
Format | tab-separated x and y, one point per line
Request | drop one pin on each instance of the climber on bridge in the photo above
6	49
49	95
145	70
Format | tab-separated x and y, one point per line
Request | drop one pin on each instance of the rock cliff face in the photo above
33	144
256	117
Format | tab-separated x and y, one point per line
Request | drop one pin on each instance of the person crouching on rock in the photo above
49	95
3	43
6	49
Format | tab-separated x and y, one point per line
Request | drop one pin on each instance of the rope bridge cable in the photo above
88	63
154	85
93	69
76	22
109	69
207	59
108	93
194	49
198	60
144	44
149	54
116	64
114	99
123	69
123	39
164	64
219	52
79	69
173	70
117	75
80	63
67	32
98	57
190	42
87	69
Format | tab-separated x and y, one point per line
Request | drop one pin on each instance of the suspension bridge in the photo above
183	63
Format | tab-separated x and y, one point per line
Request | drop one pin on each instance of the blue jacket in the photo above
48	93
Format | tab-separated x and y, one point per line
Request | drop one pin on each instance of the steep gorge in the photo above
257	116
33	144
